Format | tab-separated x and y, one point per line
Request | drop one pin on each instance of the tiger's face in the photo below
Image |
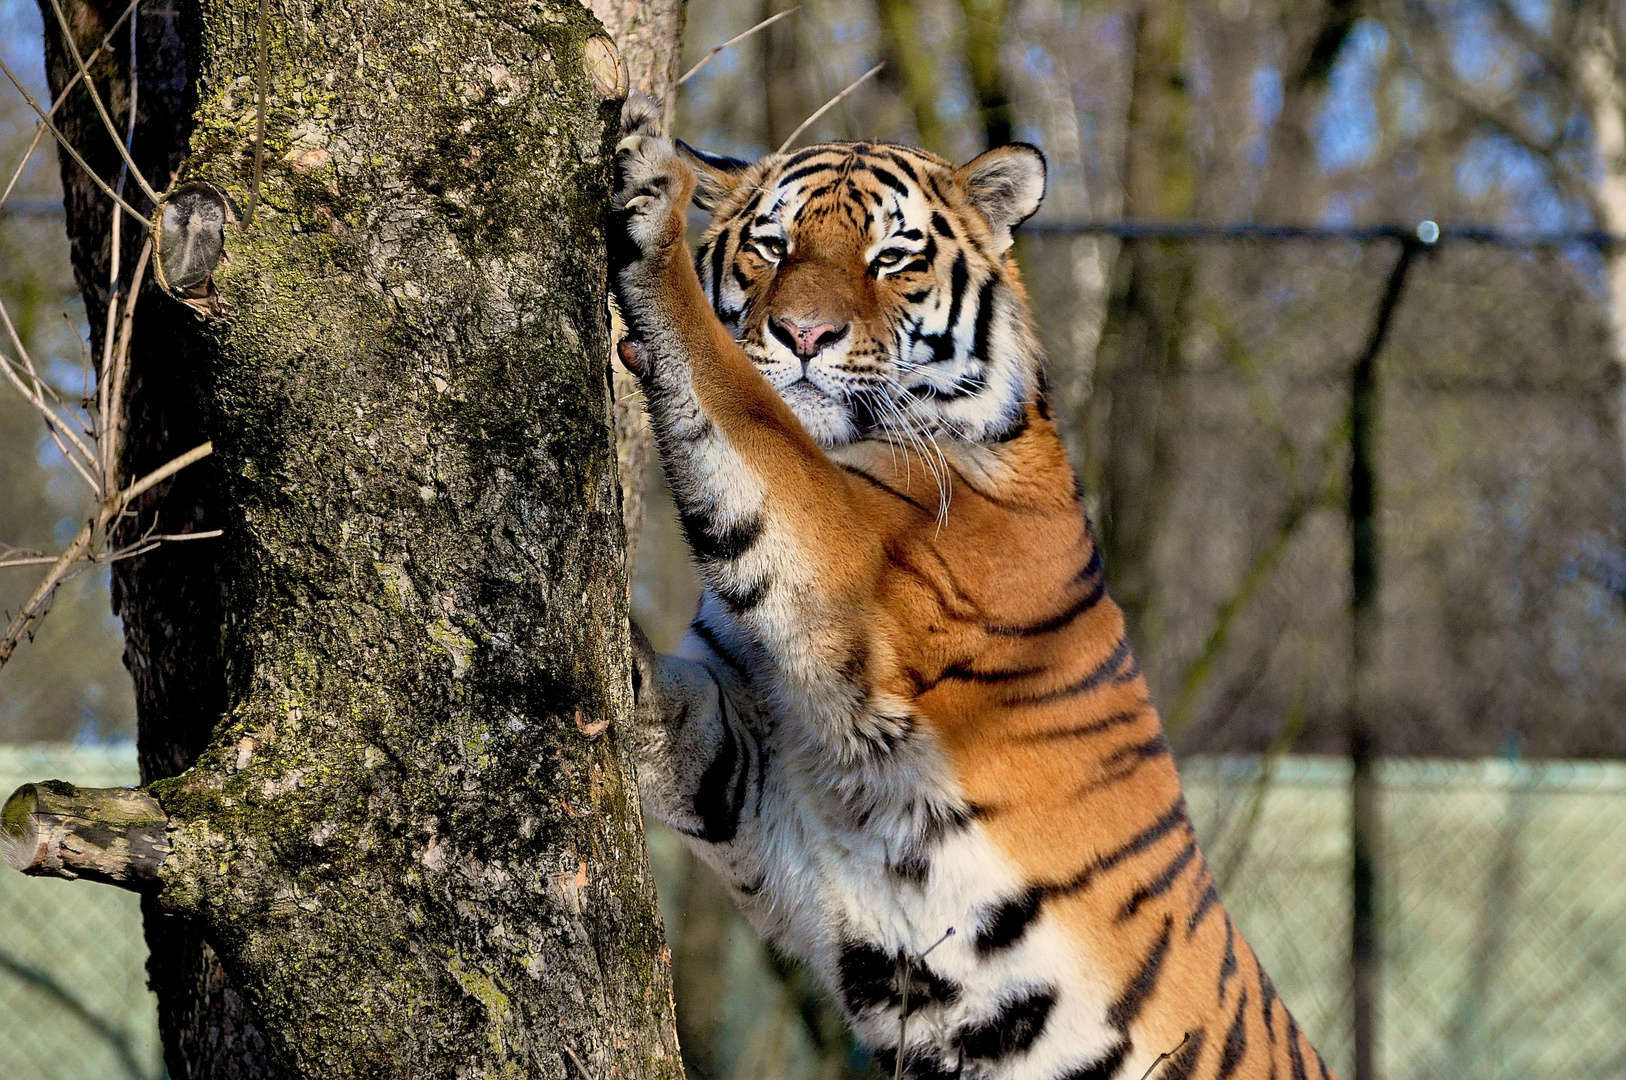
870	284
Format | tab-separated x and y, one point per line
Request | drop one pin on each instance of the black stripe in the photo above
1104	1069
1160	884
1013	431
902	163
941	225
797	174
1092	565
709	636
725	544
1009	921
721	794
1174	818
1124	762
959	281
1236	1042
1205	904
894	492
1100	674
1267	1005
1185	1062
964	673
1228	964
719	255
985	318
865	975
888	178
1013	1030
1080	731
741	599
1058	621
1133	999
926	987
1295	1056
913	868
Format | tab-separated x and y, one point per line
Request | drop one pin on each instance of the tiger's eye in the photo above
889	257
772	247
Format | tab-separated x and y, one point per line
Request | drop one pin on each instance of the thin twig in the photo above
101	109
52	424
1165	1055
33	396
264	61
576	1061
34	609
62	140
828	105
906	964
152	543
113	419
27	560
164	472
736	39
39	129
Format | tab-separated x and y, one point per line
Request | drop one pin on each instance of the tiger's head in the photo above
872	285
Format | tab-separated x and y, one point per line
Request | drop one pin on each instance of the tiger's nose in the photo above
806	341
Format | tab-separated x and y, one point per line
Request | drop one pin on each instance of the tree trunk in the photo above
1136	408
408	831
1602	81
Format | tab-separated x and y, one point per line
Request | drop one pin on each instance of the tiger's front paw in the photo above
652	189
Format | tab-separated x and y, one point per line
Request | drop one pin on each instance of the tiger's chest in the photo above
920	926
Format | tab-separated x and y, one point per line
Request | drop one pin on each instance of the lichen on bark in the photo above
412	840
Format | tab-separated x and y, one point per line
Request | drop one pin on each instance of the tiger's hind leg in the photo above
702	762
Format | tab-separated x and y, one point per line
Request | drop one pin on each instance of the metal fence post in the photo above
1363	752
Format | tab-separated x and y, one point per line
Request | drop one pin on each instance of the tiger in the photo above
905	725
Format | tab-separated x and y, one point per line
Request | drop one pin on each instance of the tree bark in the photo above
649	35
405	827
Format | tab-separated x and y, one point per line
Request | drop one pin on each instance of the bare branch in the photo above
163	472
96	98
736	39
112	419
41	406
828	105
62	140
115	835
39	128
34	609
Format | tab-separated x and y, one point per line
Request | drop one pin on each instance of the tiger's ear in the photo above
1005	185
715	175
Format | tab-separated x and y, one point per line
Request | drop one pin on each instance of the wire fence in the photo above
1503	929
1502	898
74	1003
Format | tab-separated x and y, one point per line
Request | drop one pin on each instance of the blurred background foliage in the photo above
1202	386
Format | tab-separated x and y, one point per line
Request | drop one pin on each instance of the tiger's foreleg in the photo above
771	520
702	762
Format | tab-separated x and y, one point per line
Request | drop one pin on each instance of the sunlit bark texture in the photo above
405	826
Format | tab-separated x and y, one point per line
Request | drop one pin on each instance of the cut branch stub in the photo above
115	835
189	242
